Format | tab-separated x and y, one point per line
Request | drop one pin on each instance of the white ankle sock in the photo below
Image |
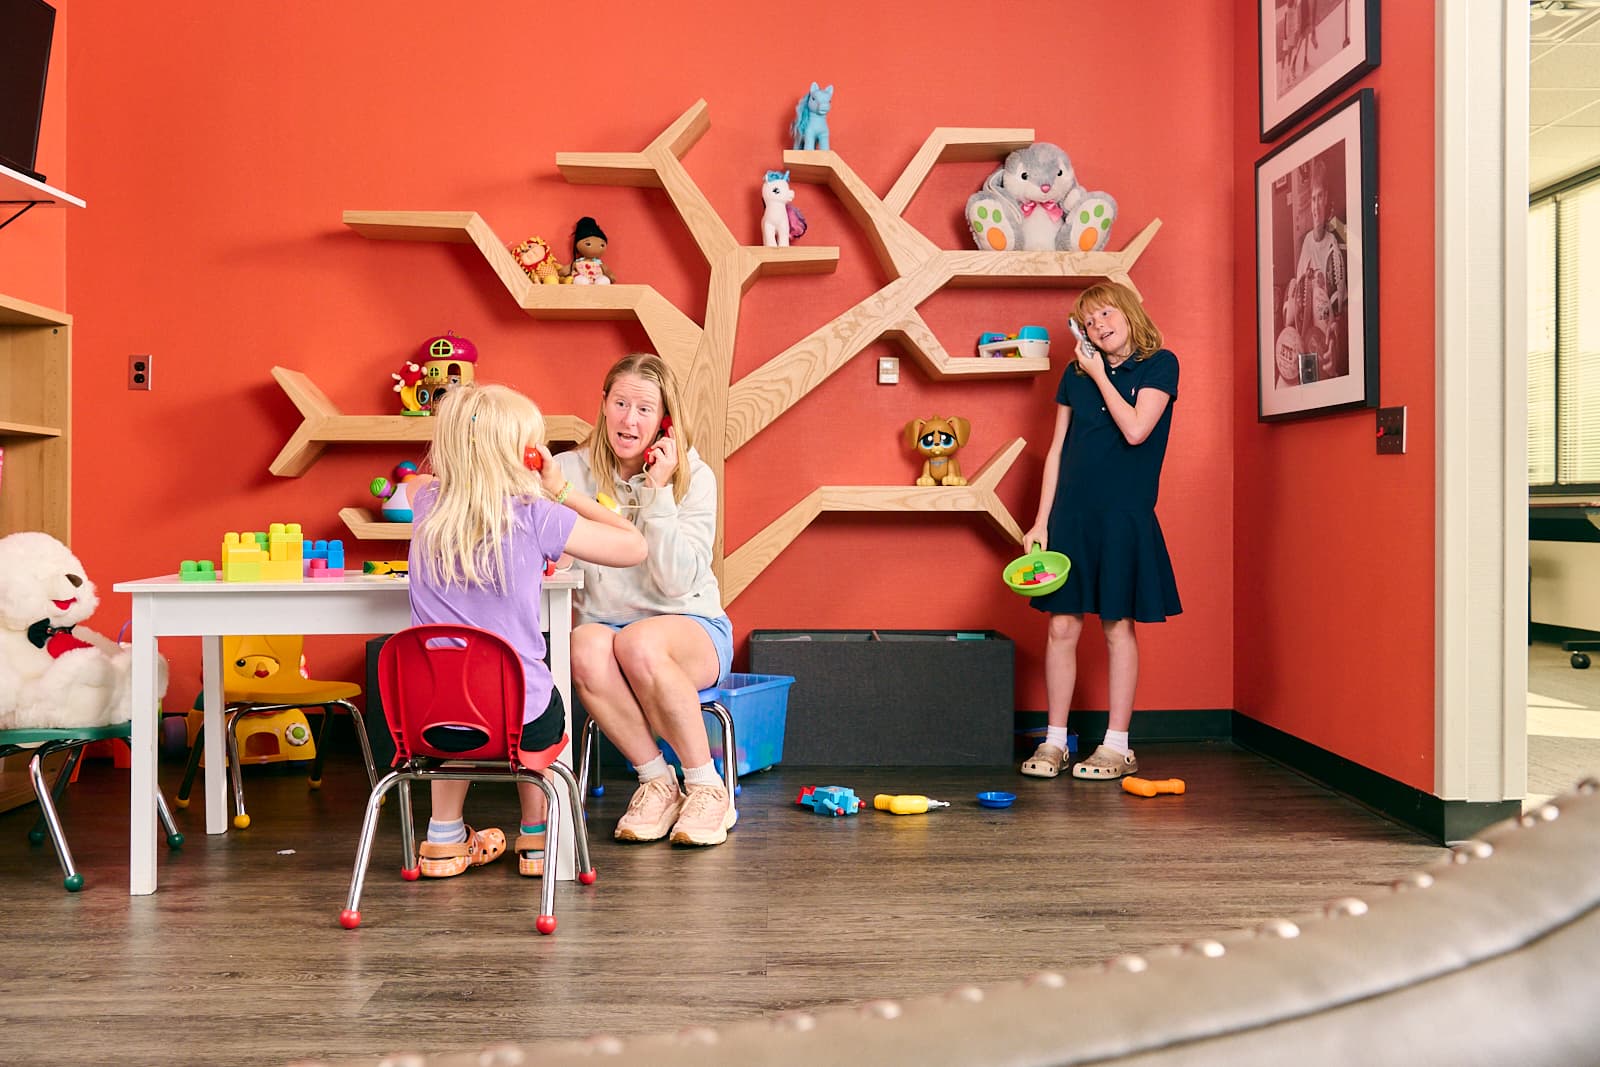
447	833
1057	736
1118	739
702	775
656	768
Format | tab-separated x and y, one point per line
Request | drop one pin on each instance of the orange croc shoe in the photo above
447	861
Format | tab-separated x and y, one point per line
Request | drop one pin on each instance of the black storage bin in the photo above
914	698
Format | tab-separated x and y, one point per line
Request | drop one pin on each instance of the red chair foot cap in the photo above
587	877
546	924
410	874
349	918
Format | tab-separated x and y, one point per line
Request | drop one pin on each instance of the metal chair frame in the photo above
710	701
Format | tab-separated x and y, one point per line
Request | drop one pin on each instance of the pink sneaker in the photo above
708	814
652	810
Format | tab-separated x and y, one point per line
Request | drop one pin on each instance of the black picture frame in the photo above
1316	49
1317	277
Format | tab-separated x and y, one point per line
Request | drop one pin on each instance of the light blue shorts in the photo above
720	630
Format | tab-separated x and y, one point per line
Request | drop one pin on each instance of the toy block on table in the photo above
197	570
273	556
324	560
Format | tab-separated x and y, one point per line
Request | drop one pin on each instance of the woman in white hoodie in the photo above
651	636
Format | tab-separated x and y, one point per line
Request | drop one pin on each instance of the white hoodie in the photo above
675	577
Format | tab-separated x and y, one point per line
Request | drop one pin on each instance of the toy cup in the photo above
1037	573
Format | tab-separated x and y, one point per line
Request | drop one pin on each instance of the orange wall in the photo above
33	263
1334	561
218	150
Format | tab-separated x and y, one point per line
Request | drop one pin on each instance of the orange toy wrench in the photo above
1144	787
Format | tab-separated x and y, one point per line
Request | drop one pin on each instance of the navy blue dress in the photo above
1104	514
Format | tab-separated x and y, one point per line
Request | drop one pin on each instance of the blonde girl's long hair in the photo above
1146	335
603	458
479	434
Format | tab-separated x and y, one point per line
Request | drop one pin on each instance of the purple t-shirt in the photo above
513	612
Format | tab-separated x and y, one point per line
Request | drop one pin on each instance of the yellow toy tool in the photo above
906	803
1144	787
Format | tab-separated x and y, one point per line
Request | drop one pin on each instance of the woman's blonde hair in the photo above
603	458
1146	335
479	434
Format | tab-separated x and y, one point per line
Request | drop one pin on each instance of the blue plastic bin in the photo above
759	704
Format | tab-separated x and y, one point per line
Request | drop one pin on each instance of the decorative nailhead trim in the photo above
1208	948
1130	964
697	1035
969	993
1279	928
798	1021
882	1009
1345	907
1548	812
1047	979
605	1044
1414	880
1589	785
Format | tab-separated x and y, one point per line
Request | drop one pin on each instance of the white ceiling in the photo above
1564	90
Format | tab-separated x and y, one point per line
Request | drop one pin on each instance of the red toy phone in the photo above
650	454
532	459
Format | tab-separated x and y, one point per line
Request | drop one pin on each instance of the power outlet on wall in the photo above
139	372
1391	431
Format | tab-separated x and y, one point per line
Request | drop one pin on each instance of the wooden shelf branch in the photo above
743	565
951	144
323	424
760	397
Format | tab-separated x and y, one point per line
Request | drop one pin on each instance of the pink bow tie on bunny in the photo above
1051	208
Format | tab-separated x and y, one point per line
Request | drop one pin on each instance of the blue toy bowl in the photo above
994	799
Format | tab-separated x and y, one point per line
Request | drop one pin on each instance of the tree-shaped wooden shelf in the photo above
727	414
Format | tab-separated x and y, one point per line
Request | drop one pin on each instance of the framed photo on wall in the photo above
1317	267
1310	49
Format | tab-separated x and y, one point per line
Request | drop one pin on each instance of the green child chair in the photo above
44	743
261	677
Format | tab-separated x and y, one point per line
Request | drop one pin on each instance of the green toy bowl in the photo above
1053	563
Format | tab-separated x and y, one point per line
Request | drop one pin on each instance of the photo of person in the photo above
1310	296
1309	33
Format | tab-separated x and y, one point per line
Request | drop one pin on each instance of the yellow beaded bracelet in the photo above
561	497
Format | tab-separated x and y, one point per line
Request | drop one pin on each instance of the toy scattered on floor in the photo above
407	382
829	799
535	257
54	671
447	361
198	570
781	221
937	440
1034	203
1028	341
324	560
810	125
395	492
588	245
398	568
1037	573
1145	787
276	555
906	803
996	799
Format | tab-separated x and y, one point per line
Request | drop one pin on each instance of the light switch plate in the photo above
1391	431
888	370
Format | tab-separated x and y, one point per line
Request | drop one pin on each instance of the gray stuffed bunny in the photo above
1034	203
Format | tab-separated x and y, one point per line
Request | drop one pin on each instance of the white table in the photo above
359	604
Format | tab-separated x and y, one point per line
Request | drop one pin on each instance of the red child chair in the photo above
461	678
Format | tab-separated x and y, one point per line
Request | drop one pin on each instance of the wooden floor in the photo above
239	958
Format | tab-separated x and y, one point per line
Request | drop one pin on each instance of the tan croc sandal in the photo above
1105	763
530	855
1045	762
447	861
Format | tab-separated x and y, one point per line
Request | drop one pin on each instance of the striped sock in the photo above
537	828
447	833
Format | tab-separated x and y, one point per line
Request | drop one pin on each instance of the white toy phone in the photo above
1077	331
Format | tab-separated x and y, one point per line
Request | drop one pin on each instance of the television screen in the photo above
26	27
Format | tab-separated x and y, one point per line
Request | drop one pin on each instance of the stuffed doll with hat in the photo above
54	672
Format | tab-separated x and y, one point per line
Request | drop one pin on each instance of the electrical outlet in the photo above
888	370
139	372
1392	431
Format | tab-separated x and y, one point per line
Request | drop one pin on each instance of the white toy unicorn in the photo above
776	195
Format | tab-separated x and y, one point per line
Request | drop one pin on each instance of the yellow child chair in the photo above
262	681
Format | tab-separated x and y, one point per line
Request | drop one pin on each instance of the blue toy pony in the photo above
810	125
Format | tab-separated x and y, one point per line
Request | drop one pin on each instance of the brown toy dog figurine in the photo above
938	439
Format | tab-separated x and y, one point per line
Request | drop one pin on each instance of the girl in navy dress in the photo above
1097	506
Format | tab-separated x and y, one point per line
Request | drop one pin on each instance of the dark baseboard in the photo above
1204	724
1544	631
1441	820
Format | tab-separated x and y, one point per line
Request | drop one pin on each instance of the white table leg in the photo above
560	623
216	785
145	726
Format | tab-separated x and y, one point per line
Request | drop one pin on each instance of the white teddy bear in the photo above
1034	203
53	672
